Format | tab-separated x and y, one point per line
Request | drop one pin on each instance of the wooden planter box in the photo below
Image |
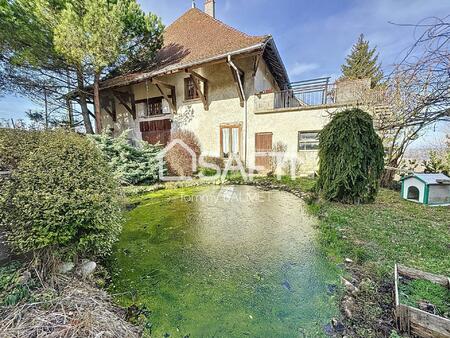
415	322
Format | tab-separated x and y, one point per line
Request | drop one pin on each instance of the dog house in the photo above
431	189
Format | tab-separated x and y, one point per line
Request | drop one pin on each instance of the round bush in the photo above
350	158
61	197
16	144
178	159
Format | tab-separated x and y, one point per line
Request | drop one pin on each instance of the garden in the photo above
95	239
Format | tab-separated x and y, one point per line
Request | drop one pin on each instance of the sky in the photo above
313	37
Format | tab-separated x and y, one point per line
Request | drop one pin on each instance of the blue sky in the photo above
313	37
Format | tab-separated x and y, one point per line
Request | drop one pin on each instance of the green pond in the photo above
229	261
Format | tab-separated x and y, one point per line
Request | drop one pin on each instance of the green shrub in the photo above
15	144
217	161
350	158
131	165
61	198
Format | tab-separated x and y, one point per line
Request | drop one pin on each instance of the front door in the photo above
263	146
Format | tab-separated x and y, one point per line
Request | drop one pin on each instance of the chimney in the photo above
210	7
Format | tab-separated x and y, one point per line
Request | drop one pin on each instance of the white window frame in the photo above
302	141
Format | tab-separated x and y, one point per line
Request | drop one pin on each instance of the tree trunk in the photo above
97	109
388	175
69	104
83	104
70	114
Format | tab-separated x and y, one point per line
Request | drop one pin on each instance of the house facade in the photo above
231	89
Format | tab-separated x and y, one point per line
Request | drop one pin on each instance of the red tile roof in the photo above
195	38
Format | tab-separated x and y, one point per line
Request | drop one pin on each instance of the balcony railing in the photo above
319	92
313	92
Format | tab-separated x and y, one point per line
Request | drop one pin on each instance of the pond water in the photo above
224	262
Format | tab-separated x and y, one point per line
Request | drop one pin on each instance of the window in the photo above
229	140
308	140
190	93
149	107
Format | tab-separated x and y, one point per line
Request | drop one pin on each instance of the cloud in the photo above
300	68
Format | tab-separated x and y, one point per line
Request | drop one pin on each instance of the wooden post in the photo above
97	109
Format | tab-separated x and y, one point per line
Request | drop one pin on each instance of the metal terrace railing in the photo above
302	93
313	92
319	92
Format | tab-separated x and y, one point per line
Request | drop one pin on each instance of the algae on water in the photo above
224	262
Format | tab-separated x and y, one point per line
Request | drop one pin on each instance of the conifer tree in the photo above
362	63
350	158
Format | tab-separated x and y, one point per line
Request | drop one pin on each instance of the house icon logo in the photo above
162	154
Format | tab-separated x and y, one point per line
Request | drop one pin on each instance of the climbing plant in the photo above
350	158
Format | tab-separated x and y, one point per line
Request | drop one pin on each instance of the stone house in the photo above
230	88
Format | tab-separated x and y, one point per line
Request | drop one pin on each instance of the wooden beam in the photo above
91	114
418	274
161	83
123	102
236	82
132	101
105	105
256	65
199	91
196	78
113	108
166	97
172	101
197	75
110	113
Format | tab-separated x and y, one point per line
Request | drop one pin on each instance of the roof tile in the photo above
192	38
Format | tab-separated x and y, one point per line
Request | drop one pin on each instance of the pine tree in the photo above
362	63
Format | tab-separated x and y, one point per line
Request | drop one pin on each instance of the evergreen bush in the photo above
350	158
131	165
16	144
61	198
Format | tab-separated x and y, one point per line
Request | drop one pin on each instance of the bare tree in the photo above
416	94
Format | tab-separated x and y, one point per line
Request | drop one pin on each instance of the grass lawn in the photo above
389	231
376	236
